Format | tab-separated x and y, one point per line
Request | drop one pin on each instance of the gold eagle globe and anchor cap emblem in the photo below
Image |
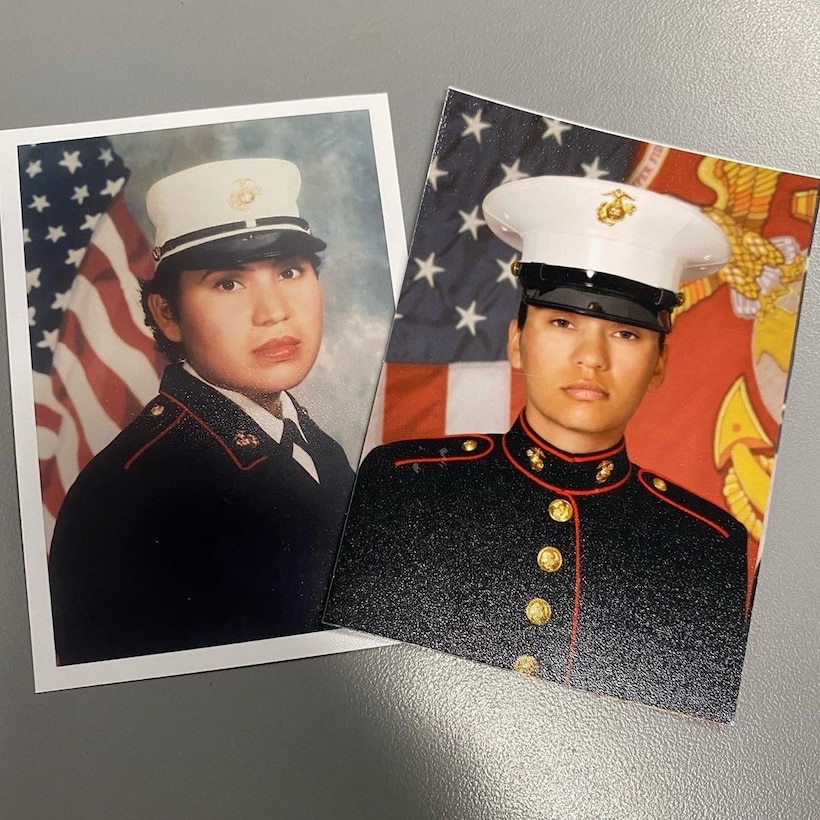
619	206
244	192
570	256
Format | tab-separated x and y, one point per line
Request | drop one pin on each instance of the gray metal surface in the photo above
401	732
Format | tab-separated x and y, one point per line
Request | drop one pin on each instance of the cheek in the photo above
314	313
205	323
644	374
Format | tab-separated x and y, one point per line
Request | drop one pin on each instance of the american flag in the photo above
93	360
447	352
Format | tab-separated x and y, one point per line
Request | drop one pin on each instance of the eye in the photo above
227	284
624	333
290	273
560	321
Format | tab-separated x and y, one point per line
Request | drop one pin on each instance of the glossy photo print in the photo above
568	465
198	306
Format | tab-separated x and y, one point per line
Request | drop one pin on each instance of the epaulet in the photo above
450	449
149	426
691	504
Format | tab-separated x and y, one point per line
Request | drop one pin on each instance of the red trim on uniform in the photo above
576	607
563	490
572	459
445	459
151	442
645	482
207	427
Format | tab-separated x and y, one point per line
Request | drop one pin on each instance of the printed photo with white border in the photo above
570	458
197	306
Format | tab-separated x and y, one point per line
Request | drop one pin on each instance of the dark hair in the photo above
522	317
165	283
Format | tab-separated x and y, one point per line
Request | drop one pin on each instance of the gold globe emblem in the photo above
243	194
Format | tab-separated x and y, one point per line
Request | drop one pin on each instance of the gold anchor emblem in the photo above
614	210
605	469
244	194
535	456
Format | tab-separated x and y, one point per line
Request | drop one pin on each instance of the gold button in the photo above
550	559
157	410
539	611
527	665
560	510
659	484
469	445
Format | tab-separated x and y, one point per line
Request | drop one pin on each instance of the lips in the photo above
279	349
586	391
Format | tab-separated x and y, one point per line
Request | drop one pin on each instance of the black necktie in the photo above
291	434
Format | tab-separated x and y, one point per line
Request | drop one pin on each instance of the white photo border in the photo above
48	676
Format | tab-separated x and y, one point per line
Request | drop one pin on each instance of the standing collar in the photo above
272	425
545	464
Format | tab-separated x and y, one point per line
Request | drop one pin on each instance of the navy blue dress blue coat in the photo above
585	570
194	528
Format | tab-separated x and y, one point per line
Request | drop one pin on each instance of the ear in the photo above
659	373
164	317
514	345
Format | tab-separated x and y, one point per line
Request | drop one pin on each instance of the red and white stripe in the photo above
105	366
434	400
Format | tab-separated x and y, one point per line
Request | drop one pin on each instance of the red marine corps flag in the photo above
725	388
714	423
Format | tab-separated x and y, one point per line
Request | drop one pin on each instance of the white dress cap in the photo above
244	199
611	227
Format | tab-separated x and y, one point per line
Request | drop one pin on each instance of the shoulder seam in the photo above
714	525
440	459
152	441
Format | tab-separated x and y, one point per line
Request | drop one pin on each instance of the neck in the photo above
571	440
271	402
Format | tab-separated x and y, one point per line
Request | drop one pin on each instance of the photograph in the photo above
568	465
207	297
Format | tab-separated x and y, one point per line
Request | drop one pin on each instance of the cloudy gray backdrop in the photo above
340	199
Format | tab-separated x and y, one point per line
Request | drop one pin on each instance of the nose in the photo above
591	350
270	305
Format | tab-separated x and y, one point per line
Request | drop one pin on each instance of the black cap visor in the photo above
229	251
593	293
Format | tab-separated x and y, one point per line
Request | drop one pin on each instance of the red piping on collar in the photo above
572	459
563	490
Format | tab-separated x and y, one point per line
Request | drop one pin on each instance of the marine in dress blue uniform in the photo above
210	519
578	567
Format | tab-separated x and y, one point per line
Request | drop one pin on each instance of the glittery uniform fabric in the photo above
442	549
195	528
